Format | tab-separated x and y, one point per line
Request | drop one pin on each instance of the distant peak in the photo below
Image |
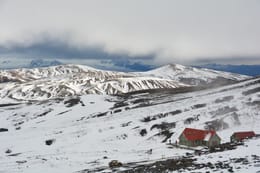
177	66
173	67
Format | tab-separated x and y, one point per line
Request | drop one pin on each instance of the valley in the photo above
86	132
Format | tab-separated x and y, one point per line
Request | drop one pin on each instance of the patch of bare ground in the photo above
216	125
160	115
224	99
251	91
192	119
254	103
9	104
163	126
166	134
73	101
197	106
223	110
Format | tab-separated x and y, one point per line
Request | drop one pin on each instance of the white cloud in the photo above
181	30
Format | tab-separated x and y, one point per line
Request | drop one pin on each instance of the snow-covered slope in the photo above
191	75
71	80
70	70
89	131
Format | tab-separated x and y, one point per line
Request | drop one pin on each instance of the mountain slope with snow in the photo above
71	80
89	131
191	75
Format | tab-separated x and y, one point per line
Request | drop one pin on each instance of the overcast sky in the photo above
146	31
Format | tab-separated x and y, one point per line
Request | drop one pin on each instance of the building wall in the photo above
233	139
184	141
214	140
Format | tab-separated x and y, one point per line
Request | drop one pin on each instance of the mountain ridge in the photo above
70	79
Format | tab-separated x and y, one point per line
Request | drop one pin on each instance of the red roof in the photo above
244	135
196	134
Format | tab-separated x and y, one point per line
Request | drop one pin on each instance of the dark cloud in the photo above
46	46
168	31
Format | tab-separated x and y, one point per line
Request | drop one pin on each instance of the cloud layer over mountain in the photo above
160	31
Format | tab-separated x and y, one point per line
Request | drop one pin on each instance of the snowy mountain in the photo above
193	76
71	80
84	133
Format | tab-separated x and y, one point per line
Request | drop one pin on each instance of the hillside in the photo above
73	80
89	131
194	76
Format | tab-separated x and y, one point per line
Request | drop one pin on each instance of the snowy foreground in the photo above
89	131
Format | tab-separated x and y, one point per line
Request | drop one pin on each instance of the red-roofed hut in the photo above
195	137
240	136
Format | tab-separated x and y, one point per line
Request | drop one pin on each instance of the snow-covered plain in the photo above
91	130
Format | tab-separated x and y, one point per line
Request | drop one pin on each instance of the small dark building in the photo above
240	136
195	137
